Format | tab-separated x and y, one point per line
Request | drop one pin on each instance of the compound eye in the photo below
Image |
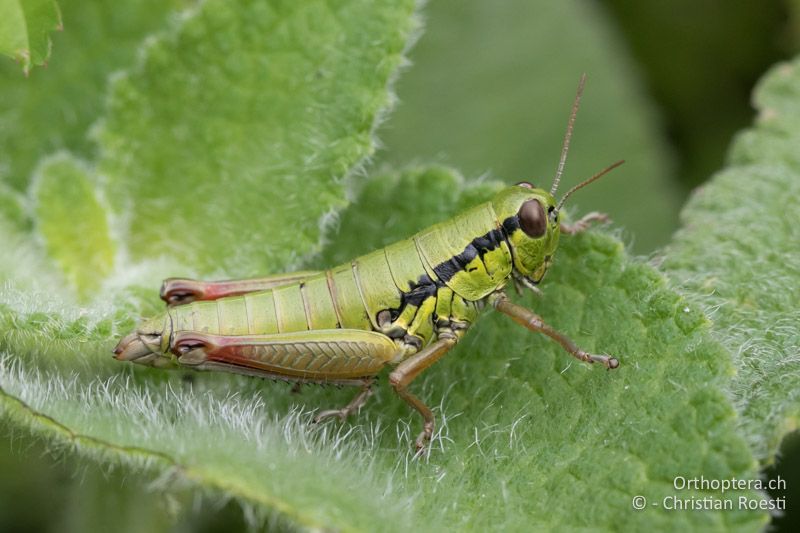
525	184
532	219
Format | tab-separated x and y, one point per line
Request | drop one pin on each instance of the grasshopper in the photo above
405	305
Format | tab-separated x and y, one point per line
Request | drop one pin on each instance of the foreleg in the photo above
584	223
534	322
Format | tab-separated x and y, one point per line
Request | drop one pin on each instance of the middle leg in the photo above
355	404
408	370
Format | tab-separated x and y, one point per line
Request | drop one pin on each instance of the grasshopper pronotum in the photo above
404	305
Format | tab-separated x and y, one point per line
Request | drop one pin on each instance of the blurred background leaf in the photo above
491	91
72	223
25	27
53	108
699	62
669	84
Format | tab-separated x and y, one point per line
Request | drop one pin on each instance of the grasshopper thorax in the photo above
531	224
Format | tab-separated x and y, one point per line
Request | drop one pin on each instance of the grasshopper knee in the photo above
191	348
396	380
179	291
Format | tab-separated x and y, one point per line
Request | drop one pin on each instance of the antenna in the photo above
568	136
583	184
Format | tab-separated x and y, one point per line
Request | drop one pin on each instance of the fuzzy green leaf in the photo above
738	256
24	30
527	438
72	222
538	440
248	117
491	91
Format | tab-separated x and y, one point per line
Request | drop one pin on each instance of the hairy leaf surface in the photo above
248	117
526	434
737	255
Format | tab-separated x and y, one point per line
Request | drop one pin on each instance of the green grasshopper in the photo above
405	305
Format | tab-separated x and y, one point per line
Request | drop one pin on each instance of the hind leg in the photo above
180	291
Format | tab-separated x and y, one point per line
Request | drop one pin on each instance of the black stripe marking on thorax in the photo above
420	291
478	247
425	287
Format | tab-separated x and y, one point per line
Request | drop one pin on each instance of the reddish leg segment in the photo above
180	291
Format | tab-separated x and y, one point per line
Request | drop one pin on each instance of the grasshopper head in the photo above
530	215
530	219
148	344
531	223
